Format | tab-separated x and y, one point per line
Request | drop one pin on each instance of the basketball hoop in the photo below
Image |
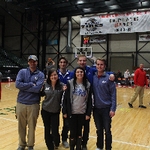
87	51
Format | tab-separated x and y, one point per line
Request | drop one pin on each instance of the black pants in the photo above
86	131
65	129
75	124
127	81
51	129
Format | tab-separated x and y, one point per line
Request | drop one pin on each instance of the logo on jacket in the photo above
103	81
36	78
47	88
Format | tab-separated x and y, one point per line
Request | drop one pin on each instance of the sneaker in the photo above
30	148
130	105
65	144
141	106
84	147
55	145
21	148
99	149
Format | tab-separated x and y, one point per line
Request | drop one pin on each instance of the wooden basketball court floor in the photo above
130	126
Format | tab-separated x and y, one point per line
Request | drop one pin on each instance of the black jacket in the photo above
67	109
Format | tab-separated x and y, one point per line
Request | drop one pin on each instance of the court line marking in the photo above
17	121
128	143
7	86
116	141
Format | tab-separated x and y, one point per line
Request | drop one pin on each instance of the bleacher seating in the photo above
10	64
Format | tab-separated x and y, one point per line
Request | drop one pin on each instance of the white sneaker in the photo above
65	144
98	149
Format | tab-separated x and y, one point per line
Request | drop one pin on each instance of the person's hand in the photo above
65	115
64	87
87	117
112	113
34	84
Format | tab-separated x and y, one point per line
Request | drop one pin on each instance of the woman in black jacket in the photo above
77	106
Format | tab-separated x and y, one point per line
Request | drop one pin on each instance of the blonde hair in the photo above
81	55
101	59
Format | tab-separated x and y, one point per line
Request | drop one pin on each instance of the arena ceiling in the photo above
64	8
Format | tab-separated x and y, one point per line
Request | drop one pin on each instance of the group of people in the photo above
78	94
140	82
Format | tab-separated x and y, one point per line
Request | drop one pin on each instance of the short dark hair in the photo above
64	58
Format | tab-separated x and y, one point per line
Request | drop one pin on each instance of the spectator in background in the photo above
77	106
29	82
140	80
64	75
1	77
104	92
127	76
132	78
51	105
118	76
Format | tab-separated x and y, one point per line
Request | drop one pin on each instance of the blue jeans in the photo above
102	121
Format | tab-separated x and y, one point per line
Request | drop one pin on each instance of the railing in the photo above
10	65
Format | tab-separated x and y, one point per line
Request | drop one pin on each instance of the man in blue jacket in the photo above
64	75
104	92
29	81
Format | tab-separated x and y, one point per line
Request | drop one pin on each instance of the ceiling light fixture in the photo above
80	2
87	9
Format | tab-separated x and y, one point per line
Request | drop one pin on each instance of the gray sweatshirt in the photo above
52	100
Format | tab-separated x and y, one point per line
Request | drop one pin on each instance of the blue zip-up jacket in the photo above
104	92
29	85
89	71
65	77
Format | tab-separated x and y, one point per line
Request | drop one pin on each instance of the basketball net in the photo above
87	51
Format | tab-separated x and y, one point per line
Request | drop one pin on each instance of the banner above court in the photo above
115	23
